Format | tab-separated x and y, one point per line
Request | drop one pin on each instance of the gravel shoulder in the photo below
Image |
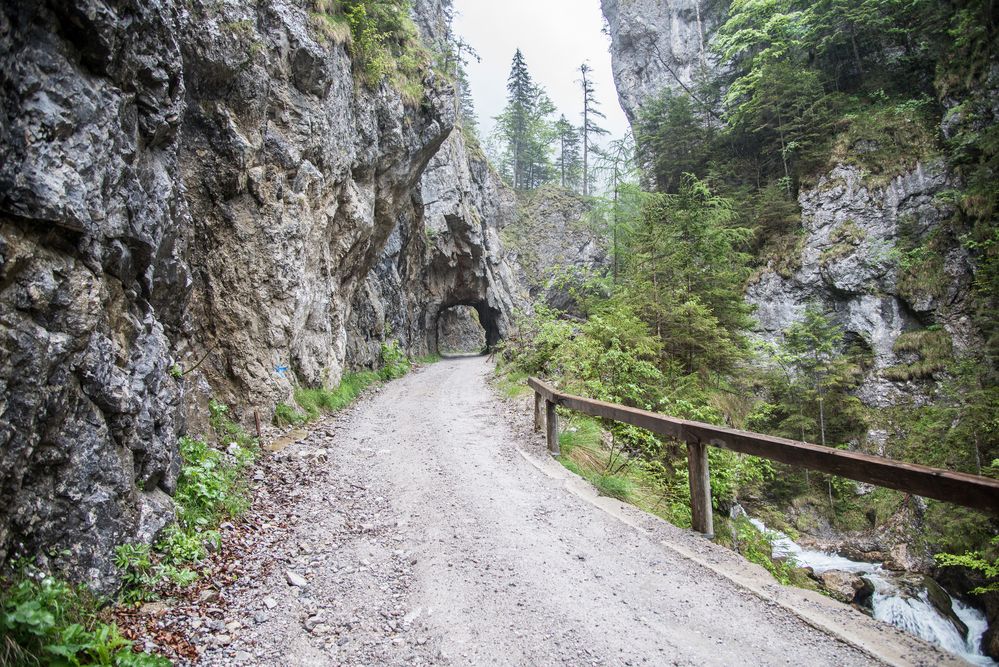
427	525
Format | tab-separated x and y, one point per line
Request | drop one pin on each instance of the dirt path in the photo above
430	527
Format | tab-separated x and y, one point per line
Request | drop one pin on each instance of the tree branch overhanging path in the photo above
431	527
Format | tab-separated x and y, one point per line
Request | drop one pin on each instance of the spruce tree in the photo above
569	161
524	129
590	127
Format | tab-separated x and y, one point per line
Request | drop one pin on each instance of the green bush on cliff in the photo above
383	41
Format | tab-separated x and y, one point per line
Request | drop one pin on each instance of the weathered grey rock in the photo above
188	181
459	330
658	45
295	579
849	266
556	247
844	586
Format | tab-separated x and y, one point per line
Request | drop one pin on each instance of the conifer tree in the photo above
524	129
569	161
590	127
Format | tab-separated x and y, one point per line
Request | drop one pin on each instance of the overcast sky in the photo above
556	36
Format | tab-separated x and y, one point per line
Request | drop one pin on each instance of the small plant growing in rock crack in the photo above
176	372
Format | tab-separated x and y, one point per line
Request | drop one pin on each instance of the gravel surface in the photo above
427	525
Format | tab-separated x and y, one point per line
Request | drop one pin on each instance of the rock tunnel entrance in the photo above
467	329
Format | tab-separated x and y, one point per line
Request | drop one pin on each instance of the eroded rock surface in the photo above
203	187
556	246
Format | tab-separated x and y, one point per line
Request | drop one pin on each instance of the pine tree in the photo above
524	129
569	161
590	127
466	105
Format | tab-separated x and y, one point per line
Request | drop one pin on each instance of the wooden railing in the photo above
981	493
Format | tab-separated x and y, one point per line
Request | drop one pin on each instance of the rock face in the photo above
459	330
849	264
658	45
555	246
185	182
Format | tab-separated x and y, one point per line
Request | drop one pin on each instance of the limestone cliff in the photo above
657	45
204	188
557	249
855	226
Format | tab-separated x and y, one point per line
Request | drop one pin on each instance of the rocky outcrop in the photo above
459	331
854	236
845	586
555	246
204	188
658	45
856	228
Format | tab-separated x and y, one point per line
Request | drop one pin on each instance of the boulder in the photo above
845	586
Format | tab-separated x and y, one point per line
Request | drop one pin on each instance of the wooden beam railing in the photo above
981	493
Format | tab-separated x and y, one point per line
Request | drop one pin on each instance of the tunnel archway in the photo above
467	328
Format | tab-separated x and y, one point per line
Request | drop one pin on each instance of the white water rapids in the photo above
913	614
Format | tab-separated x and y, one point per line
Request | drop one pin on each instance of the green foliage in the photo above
318	401
44	621
210	489
286	415
384	42
614	487
395	364
757	547
887	138
809	386
978	562
933	350
685	274
525	130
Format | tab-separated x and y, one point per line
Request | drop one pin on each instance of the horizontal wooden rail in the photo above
981	493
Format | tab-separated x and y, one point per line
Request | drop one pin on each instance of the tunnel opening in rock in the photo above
460	331
465	328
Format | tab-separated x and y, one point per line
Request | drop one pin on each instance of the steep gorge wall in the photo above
185	182
855	226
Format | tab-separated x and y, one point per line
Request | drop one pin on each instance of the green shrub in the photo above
395	364
757	547
210	489
285	415
382	39
44	621
613	486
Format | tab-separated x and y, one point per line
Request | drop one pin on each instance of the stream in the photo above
893	600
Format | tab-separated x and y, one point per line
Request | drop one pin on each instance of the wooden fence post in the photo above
700	489
551	421
537	411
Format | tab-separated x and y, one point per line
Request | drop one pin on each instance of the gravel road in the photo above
427	525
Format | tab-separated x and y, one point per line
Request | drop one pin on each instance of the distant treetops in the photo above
533	147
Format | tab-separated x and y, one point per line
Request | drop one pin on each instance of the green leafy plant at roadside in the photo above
757	547
286	415
44	621
210	490
395	363
319	401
